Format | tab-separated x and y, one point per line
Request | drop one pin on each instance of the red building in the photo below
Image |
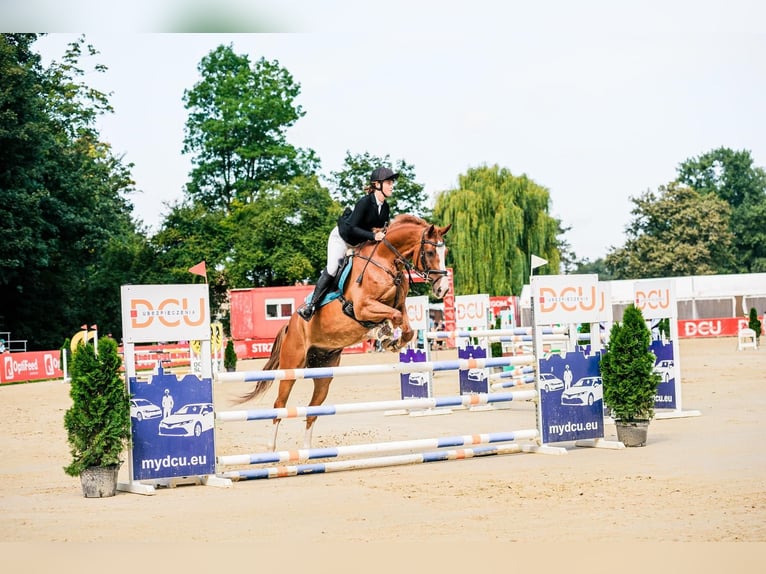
257	315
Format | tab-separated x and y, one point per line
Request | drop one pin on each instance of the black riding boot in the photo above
324	284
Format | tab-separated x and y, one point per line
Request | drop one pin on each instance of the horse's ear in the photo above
444	230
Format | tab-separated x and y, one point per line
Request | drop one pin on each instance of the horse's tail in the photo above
273	363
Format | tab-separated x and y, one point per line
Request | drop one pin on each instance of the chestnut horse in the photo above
373	298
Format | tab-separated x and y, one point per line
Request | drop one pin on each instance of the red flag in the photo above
199	269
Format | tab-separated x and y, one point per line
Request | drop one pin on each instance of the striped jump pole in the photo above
375	448
517	331
325	372
347	408
378	462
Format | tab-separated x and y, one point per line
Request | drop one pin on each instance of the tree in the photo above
238	117
63	199
627	369
282	237
349	183
731	176
499	220
675	232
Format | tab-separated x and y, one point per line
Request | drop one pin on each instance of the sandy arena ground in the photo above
699	479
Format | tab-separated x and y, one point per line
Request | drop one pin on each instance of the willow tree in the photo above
498	221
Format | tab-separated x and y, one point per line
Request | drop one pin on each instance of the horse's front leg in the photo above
377	312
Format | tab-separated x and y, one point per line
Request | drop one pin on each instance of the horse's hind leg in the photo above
321	388
319	358
285	386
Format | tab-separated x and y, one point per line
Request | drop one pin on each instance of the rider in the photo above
370	211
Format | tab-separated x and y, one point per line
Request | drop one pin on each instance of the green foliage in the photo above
229	355
664	327
282	237
98	422
754	323
731	176
239	114
675	232
627	369
349	183
67	238
498	221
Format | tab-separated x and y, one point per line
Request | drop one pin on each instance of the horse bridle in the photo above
426	273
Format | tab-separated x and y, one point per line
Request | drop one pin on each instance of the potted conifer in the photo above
629	380
98	422
754	323
230	356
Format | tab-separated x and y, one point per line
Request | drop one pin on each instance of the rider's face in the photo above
387	187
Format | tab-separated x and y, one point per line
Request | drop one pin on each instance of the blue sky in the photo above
596	102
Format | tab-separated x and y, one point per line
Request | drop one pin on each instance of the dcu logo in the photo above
568	299
653	299
171	312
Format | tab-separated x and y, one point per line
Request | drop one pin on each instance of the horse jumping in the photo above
374	294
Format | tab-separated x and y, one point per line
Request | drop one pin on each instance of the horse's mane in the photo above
405	218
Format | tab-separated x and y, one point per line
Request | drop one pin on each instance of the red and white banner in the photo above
722	327
30	366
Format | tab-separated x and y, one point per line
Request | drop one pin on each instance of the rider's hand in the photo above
379	236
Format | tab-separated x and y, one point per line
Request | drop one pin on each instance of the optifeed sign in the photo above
165	313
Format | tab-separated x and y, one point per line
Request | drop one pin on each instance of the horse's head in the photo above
432	259
423	243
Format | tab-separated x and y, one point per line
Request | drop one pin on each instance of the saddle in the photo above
337	292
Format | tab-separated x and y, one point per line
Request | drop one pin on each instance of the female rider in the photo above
369	212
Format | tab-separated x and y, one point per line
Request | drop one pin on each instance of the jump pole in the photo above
377	462
325	372
302	455
347	408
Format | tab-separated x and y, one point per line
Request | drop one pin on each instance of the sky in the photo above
596	101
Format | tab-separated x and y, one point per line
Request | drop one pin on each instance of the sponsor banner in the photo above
261	348
572	397
30	366
414	385
723	327
172	425
566	299
665	365
417	312
472	380
472	312
154	313
656	298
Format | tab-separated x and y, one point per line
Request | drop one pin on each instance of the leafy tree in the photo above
597	267
63	199
282	237
349	184
238	117
731	175
499	220
675	232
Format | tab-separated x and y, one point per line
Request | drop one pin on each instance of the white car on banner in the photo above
584	392
190	420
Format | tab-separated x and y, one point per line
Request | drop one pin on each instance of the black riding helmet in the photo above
382	174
